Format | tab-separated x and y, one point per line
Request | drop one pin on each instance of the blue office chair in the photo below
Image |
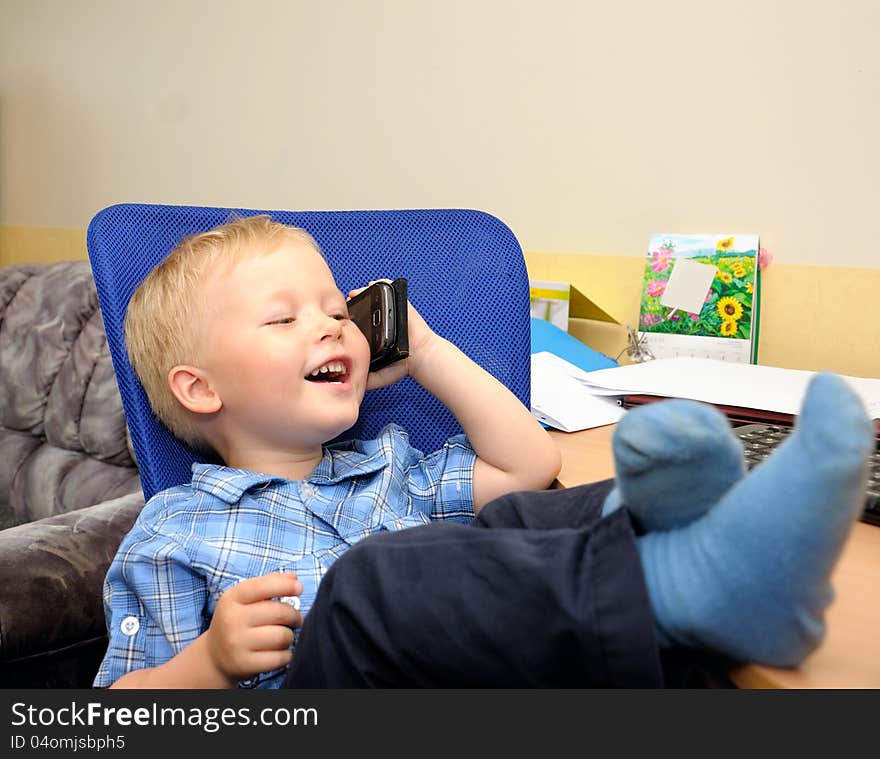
466	275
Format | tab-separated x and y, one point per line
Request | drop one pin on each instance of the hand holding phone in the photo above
380	311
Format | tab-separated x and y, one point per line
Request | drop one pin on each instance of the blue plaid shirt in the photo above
193	542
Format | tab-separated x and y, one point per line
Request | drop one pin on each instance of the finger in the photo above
270	638
273	613
266	661
352	293
388	375
265	587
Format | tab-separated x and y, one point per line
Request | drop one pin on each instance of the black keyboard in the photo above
759	440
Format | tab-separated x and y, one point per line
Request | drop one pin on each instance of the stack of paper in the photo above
560	399
570	399
721	382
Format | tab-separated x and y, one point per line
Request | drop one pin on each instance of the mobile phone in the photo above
379	311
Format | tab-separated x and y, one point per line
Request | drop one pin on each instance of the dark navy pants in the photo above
538	592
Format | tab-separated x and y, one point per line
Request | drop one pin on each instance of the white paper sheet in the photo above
560	400
703	379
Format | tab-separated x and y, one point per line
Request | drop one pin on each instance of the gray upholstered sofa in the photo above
69	487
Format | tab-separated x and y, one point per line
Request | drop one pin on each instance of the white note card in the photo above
688	285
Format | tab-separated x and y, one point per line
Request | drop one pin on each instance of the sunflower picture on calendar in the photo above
726	311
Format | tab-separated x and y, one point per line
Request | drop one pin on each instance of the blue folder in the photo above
548	337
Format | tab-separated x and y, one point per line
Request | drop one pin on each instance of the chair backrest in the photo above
466	275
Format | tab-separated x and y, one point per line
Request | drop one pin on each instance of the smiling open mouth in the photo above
333	371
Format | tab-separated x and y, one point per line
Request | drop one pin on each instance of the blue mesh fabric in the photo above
466	276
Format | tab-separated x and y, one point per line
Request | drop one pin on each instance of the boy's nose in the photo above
330	328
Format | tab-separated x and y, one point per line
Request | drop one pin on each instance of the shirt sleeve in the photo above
441	483
154	602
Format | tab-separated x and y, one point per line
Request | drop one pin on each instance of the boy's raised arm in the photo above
513	451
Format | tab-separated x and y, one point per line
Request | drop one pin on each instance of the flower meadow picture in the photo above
727	309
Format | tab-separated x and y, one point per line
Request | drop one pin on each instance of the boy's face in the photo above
273	323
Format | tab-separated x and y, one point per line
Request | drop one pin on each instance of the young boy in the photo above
242	342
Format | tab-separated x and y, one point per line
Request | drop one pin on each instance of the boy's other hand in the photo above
251	631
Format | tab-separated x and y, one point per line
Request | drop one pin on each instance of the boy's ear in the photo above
193	390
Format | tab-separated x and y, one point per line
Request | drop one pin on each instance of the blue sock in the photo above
750	579
673	460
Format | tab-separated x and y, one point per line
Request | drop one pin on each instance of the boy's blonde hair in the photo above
164	316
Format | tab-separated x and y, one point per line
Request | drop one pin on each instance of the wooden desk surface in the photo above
849	657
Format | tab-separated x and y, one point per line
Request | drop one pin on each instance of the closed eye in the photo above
283	320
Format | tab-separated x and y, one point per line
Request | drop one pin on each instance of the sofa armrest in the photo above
53	574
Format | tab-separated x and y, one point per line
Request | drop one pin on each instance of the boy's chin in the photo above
331	432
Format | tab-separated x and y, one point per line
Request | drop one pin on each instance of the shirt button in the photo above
130	625
290	601
307	490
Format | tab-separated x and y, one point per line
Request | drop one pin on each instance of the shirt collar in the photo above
353	458
341	461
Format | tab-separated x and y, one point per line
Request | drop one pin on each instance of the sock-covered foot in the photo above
673	460
750	579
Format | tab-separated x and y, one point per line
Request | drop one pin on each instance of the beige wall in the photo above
816	318
812	317
585	125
